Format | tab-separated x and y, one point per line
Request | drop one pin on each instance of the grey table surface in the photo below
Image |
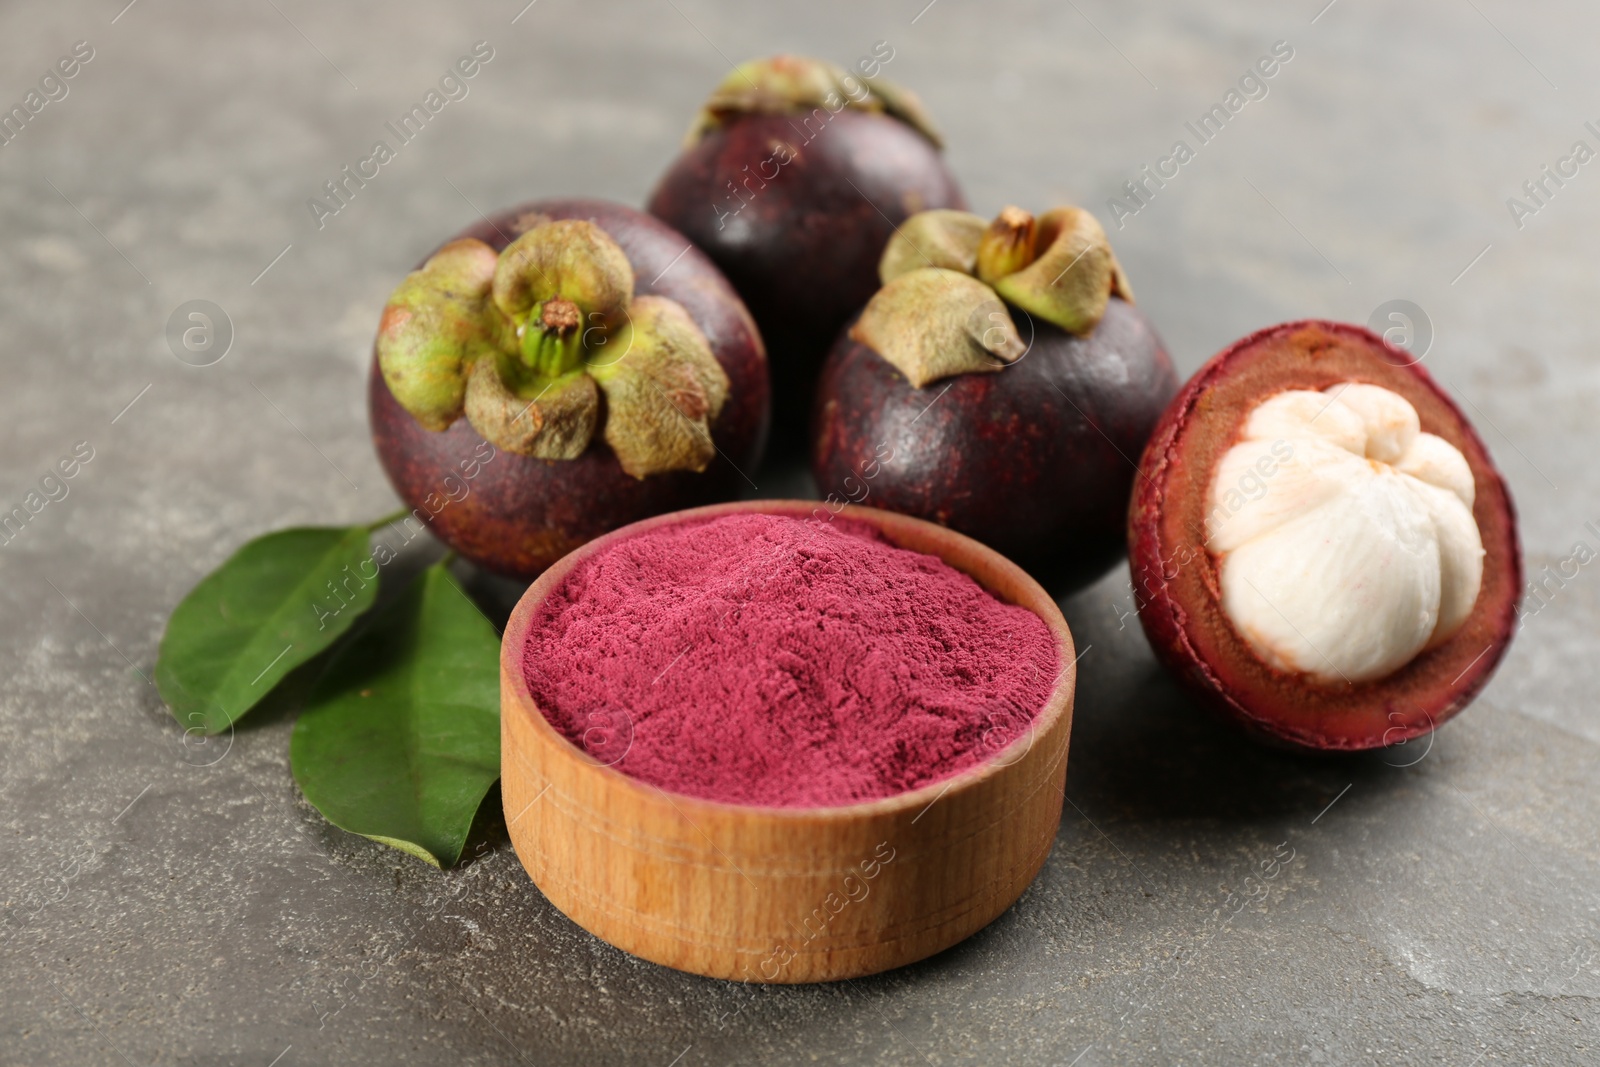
169	902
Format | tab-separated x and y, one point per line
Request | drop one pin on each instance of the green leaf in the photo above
401	739
275	604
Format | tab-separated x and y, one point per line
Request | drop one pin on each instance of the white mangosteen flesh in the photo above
1343	535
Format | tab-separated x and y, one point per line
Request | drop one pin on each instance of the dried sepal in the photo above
934	323
792	85
570	259
1072	280
663	393
937	238
433	327
529	220
906	106
549	420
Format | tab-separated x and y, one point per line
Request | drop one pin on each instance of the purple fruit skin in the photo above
1036	461
801	240
521	514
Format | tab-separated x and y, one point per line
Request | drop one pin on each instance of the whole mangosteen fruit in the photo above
1322	549
793	177
1001	383
562	369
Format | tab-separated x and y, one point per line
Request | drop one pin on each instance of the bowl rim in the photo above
1057	705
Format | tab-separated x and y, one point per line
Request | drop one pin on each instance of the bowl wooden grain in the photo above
785	894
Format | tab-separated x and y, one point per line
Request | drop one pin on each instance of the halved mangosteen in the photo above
1321	547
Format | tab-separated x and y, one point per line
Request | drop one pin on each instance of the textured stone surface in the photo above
172	903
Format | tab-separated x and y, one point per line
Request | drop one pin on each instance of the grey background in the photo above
173	903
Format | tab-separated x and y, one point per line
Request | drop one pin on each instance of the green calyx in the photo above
933	323
524	342
1073	276
950	281
798	85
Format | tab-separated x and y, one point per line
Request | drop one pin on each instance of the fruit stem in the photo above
552	340
1007	245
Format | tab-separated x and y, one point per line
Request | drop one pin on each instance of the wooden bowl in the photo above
766	894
